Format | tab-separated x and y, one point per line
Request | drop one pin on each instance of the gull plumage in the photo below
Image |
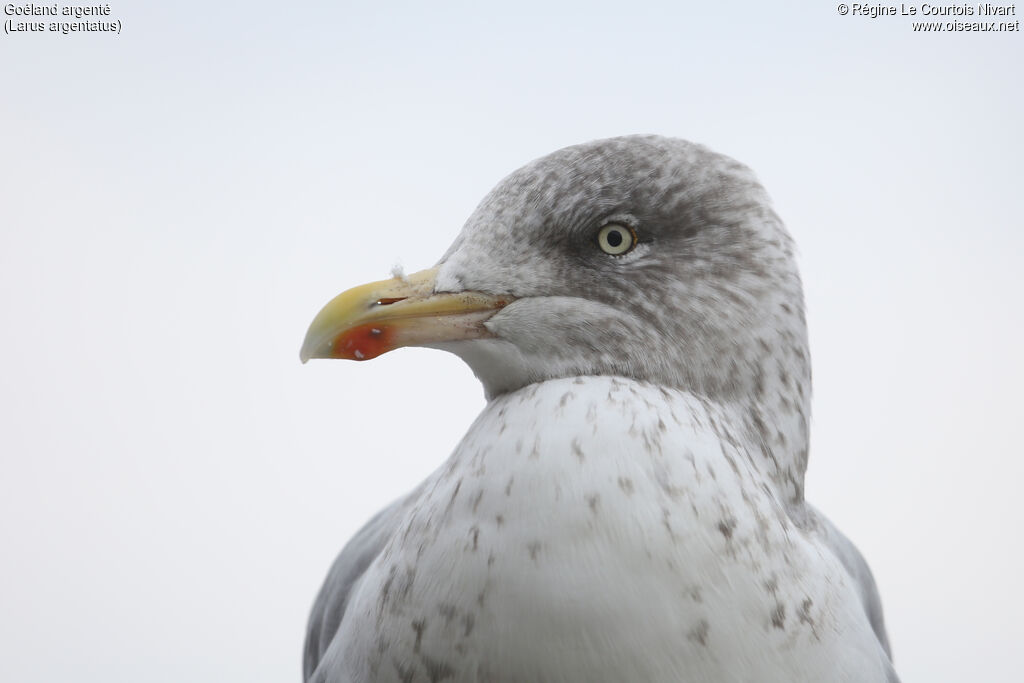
629	506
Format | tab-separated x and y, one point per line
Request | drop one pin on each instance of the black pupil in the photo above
614	237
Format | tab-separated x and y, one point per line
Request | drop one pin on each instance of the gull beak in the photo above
366	321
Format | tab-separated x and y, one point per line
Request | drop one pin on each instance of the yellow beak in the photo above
366	321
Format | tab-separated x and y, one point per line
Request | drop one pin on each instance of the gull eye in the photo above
616	239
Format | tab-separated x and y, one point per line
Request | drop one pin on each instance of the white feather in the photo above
601	529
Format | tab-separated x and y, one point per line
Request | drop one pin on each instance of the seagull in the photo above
629	506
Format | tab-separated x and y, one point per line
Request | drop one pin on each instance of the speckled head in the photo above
645	257
706	299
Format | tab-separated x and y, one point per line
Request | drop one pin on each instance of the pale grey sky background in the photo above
178	201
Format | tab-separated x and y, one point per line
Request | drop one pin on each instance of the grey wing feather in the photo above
858	569
342	579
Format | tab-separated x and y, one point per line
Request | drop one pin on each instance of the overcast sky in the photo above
178	201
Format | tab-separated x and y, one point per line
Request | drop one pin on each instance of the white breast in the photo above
601	529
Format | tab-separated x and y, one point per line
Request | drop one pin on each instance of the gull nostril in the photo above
388	302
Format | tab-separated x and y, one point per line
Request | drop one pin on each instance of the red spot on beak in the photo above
363	342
